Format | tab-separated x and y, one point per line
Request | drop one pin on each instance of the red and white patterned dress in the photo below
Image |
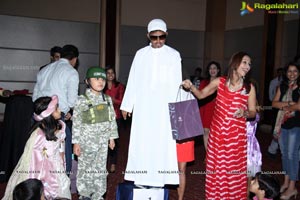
226	163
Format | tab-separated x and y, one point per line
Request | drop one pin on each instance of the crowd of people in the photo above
227	104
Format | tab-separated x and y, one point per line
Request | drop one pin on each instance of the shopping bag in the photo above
185	117
146	194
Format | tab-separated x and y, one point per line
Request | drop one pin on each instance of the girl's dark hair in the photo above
30	189
269	184
115	79
234	63
48	125
284	86
208	66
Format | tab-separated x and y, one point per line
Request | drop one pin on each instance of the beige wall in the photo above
292	16
179	14
70	10
235	21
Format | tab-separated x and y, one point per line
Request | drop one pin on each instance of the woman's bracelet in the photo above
283	107
246	113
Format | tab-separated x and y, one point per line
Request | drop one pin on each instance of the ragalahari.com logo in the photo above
270	8
246	8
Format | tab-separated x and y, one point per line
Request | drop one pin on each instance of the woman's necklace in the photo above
234	88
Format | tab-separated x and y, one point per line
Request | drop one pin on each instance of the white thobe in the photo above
153	82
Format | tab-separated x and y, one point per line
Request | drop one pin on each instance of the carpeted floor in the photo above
195	179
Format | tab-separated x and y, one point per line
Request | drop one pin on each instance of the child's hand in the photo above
76	149
125	113
111	144
68	116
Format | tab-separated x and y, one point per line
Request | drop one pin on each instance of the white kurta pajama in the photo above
154	79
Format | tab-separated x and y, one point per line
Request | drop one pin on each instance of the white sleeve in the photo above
36	89
130	92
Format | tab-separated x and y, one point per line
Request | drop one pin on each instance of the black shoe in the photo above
272	156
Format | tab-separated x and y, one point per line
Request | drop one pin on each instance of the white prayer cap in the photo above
157	25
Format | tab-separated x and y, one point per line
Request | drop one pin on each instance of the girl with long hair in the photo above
43	157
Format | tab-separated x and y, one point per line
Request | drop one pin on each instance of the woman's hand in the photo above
187	84
241	113
238	113
289	106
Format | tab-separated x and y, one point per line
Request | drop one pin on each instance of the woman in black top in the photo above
287	128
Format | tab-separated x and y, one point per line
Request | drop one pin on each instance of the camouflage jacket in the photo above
90	134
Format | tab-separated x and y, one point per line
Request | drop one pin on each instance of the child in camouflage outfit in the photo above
94	125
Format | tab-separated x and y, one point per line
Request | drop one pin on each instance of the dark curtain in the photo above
15	132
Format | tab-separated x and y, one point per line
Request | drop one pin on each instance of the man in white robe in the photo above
154	80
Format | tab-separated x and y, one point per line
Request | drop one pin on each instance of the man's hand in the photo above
125	113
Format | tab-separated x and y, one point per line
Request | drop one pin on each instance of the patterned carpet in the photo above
195	179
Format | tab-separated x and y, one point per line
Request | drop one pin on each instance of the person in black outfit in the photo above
55	54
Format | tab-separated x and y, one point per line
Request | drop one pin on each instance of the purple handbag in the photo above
185	118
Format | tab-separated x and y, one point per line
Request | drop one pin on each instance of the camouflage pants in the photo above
92	173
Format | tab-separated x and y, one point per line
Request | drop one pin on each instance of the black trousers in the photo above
113	154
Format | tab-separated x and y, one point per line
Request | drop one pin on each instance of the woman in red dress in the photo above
226	158
115	90
207	105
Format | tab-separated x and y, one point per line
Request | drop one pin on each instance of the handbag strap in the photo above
89	101
179	93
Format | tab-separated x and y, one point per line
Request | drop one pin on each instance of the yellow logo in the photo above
100	107
246	8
